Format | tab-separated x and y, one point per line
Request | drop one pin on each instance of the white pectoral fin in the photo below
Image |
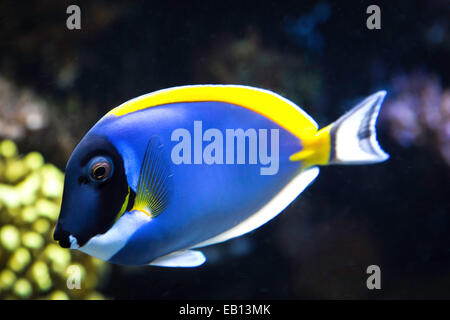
186	258
270	210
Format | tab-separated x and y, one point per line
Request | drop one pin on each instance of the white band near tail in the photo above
353	136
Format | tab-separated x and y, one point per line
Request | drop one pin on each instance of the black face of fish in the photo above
95	189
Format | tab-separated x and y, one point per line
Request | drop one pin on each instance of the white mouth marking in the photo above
73	242
106	245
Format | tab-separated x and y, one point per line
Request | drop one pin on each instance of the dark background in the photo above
318	54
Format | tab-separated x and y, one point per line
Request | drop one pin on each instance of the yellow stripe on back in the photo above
269	104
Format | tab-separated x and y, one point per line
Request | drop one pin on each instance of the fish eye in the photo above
100	169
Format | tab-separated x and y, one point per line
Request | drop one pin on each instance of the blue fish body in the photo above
208	203
208	199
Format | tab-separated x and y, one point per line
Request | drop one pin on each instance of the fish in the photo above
169	172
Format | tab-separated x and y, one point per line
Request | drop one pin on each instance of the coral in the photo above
419	112
304	29
32	265
20	111
29	118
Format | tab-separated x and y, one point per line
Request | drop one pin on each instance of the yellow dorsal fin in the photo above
271	105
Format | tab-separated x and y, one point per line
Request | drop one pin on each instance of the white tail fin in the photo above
353	136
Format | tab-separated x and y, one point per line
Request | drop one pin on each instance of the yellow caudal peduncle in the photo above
316	149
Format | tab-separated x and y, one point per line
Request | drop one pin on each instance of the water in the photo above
56	83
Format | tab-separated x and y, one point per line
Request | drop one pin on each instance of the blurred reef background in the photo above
32	265
56	83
